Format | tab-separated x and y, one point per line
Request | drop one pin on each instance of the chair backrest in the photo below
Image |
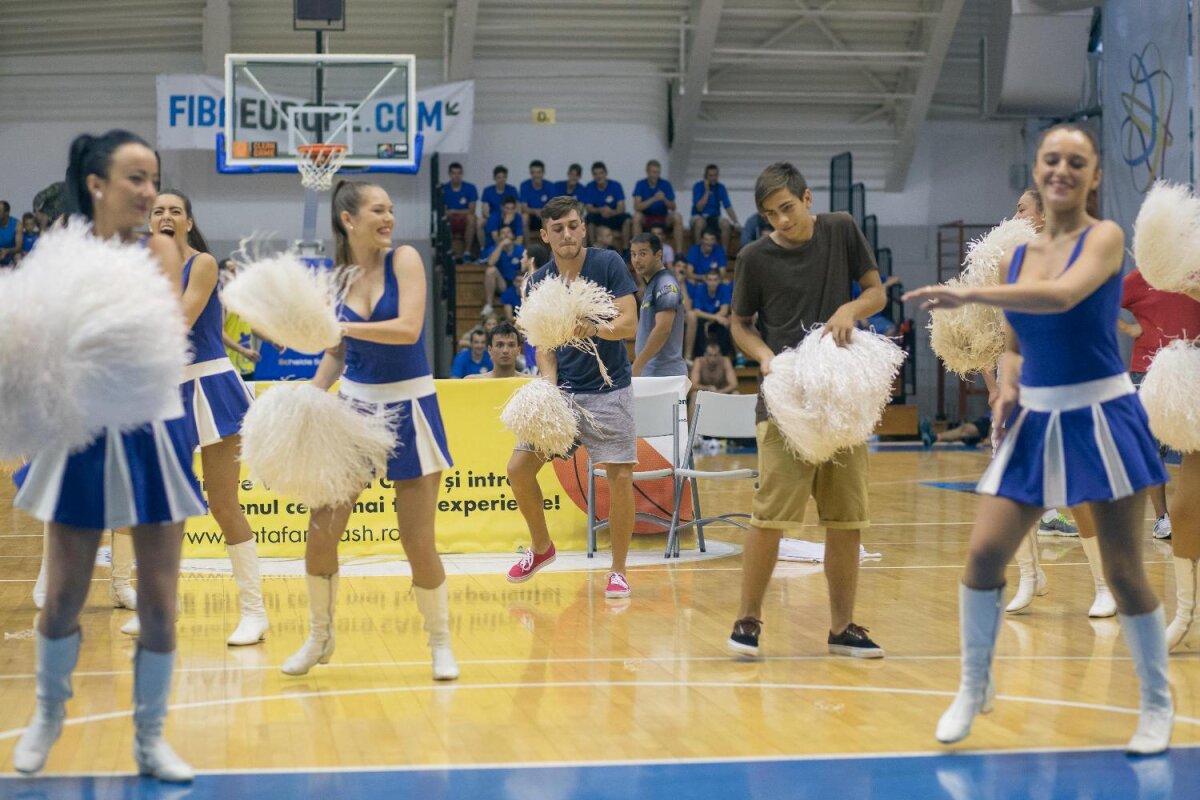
658	384
656	414
725	416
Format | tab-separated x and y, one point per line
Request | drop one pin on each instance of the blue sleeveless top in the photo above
372	362
205	335
1072	346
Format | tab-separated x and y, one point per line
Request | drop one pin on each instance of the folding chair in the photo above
653	415
726	416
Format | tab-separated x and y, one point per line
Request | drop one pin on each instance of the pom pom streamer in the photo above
93	338
287	301
1166	238
1169	393
553	309
970	339
315	446
540	414
825	398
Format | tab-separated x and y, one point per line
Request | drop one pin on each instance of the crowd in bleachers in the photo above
17	237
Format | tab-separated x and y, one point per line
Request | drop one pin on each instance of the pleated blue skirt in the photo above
215	400
421	446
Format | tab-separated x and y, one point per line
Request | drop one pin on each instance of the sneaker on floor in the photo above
1162	527
744	639
928	437
1059	526
617	587
529	564
854	642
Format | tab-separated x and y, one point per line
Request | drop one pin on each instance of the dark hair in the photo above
500	169
780	175
347	196
598	165
653	163
92	155
538	252
650	239
1037	198
508	200
575	168
453	165
476	331
7	206
1093	198
195	238
503	328
560	206
707	167
709	230
536	163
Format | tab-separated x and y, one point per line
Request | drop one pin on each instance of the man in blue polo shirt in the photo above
706	256
710	303
654	205
605	201
474	359
507	217
503	261
459	197
9	227
535	193
709	196
493	196
573	186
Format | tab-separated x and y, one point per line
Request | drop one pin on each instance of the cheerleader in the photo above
383	366
140	479
214	401
1075	433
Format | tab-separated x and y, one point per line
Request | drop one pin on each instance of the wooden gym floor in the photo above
566	695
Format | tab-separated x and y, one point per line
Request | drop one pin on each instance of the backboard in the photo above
275	103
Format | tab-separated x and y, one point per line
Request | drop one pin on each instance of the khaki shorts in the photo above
785	483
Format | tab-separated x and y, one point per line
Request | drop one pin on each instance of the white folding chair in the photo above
653	415
722	416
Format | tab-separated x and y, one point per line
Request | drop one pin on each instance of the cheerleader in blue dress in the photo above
215	399
1075	432
382	365
141	479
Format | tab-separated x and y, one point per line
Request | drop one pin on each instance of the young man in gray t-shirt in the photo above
661	319
801	275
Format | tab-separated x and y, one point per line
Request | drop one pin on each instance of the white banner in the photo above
191	112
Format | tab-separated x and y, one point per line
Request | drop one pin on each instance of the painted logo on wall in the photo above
1148	103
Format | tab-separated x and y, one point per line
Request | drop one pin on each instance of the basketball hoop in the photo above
318	163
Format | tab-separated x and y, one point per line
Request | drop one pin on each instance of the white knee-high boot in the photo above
1104	605
1183	632
434	605
979	624
56	659
318	647
1033	579
252	625
151	687
1146	637
120	590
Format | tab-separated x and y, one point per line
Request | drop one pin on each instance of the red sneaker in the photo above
529	564
618	587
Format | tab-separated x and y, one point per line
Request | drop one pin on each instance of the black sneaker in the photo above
852	642
744	639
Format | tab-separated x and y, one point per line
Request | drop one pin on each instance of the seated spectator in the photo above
602	238
709	196
474	359
681	268
712	372
573	185
605	201
459	197
503	261
535	193
10	236
756	227
668	255
504	350
493	196
512	296
509	217
710	313
654	207
706	256
30	231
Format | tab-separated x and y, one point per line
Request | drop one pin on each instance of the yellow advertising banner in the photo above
476	511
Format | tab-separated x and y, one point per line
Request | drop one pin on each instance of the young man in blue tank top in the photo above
608	430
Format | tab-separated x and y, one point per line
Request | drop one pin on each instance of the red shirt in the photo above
1164	317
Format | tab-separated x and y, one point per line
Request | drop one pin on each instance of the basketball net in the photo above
318	163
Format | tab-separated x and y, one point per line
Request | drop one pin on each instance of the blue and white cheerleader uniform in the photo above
397	376
215	398
1079	433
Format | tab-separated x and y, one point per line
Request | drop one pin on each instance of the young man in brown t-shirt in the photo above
799	276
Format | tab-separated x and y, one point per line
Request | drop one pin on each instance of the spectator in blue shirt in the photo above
709	311
503	260
507	217
706	256
535	193
10	243
573	186
460	197
654	205
493	196
605	201
474	359
756	227
709	196
29	234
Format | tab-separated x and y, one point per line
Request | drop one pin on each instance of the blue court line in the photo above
954	486
954	776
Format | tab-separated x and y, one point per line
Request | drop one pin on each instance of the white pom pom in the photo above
1169	393
92	336
553	309
540	414
1166	238
287	301
982	266
826	398
314	446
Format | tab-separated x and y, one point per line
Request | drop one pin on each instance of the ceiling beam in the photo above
759	54
462	40
937	45
851	14
705	17
779	36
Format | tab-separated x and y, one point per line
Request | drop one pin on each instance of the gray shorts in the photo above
609	434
